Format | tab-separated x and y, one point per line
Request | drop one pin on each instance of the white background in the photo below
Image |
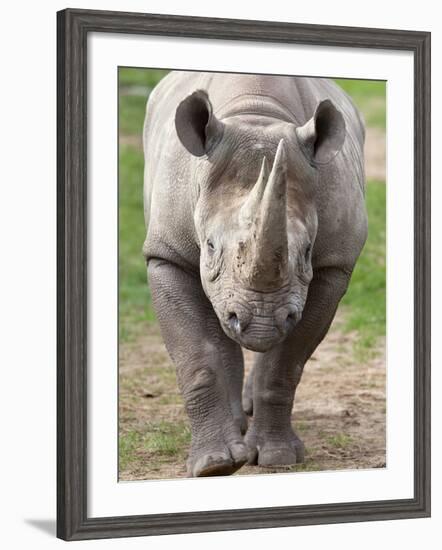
27	231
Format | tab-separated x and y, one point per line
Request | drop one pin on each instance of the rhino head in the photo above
255	184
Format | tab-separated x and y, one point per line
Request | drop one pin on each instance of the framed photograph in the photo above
243	215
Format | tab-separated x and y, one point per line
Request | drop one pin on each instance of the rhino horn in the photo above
270	257
250	208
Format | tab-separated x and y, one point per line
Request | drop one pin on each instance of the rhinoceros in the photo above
255	213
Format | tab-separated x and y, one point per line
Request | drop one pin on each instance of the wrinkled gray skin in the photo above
254	198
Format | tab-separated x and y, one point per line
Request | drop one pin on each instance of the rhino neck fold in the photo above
256	104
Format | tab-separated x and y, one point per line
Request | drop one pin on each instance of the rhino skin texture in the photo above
254	203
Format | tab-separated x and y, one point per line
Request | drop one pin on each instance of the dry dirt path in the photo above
339	410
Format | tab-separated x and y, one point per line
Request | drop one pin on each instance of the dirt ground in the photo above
339	410
375	154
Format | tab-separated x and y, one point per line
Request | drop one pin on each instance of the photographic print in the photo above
241	268
252	267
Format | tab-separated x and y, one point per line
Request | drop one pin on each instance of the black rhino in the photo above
254	201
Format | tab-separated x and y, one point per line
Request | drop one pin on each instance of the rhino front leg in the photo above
276	374
197	346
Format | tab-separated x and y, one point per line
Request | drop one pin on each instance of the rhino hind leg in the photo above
271	439
203	357
233	366
247	397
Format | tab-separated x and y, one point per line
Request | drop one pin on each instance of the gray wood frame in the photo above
73	27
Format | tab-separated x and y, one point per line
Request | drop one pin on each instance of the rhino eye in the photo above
210	246
307	252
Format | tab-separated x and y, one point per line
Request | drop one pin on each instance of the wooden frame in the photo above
73	27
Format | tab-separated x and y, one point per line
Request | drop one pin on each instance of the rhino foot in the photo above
282	450
217	460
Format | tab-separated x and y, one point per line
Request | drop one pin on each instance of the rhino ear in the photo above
197	127
322	137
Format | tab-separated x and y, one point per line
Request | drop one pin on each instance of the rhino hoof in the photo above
218	463
284	454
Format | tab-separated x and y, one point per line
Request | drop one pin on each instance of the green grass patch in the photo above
365	299
149	78
167	438
127	444
135	86
339	441
131	114
134	299
161	439
370	98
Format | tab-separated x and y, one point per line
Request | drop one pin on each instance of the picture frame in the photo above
73	28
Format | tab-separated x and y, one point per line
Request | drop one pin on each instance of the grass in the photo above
369	97
365	299
339	441
135	87
131	109
134	298
167	438
149	78
127	444
158	440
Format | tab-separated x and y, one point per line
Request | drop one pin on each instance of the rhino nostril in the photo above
233	321
292	319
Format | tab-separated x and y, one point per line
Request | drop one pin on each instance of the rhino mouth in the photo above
261	332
